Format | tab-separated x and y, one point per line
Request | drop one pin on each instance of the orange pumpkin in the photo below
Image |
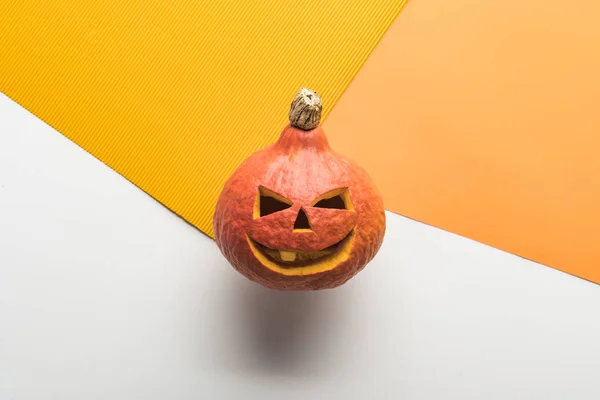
296	215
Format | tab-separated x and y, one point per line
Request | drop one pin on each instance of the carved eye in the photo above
333	202
269	202
337	198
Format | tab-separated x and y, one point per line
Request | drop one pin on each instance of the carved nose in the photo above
302	221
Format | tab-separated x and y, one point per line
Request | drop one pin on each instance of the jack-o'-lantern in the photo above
296	215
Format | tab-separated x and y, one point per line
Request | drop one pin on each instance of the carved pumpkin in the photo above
296	215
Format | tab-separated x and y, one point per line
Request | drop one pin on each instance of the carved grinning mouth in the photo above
295	262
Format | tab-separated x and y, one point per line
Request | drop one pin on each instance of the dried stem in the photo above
305	112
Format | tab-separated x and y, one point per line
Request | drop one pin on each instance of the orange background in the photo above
481	117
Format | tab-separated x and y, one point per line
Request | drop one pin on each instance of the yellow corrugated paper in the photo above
173	95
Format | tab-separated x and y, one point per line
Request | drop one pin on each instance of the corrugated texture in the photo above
174	95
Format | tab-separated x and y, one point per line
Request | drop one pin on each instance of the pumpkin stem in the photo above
305	112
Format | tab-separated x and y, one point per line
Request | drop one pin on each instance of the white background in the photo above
105	294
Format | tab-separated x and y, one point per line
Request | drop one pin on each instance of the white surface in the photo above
105	294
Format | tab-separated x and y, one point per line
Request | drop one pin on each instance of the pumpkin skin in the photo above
327	223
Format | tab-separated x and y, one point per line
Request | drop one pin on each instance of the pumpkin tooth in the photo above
287	255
